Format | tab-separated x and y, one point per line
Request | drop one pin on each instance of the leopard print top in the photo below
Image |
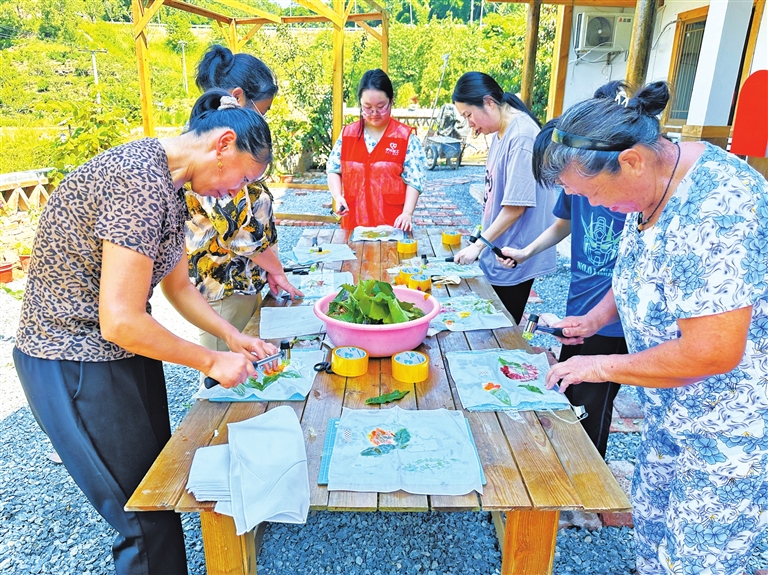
124	195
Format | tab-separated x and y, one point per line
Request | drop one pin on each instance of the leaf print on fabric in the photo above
518	371
385	441
428	463
496	391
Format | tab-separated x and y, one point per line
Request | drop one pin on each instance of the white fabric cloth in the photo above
439	268
328	253
291	384
209	474
264	469
268	476
287	322
502	379
376	234
467	313
426	452
315	285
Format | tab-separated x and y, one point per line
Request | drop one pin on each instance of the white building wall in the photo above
664	35
590	71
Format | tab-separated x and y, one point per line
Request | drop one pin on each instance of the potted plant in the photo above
6	272
25	253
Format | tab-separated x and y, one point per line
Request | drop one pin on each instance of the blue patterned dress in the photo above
699	493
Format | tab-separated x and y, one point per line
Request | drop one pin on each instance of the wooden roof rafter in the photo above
144	10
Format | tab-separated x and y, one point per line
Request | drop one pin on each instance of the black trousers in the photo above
597	398
108	422
514	298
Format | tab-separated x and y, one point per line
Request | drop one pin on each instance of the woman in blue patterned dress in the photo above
691	289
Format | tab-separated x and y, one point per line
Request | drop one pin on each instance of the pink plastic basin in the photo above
382	340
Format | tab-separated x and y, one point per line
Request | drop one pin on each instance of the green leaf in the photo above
386	397
532	388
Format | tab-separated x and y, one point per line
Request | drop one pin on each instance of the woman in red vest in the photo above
377	167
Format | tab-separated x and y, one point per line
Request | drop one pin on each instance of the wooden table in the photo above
534	467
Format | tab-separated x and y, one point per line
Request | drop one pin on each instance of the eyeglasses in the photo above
379	110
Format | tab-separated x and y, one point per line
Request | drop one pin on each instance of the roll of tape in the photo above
420	282
406	274
410	366
407	246
452	238
349	361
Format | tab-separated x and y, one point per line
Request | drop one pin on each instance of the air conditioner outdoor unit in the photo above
601	32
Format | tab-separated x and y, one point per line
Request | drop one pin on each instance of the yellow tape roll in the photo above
420	282
452	238
406	273
349	361
410	366
407	246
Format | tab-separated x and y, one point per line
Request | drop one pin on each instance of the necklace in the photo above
641	223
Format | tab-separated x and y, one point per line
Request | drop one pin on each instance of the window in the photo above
685	60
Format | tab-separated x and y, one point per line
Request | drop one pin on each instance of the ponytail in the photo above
474	87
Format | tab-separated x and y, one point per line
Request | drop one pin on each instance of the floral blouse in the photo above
707	254
222	236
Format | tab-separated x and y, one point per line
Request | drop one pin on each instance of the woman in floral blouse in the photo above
691	290
232	242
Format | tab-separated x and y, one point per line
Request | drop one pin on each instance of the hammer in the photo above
533	325
284	355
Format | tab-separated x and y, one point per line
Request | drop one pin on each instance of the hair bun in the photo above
650	100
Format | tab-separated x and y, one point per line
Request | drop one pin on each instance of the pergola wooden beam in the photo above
192	9
339	15
250	10
585	3
357	18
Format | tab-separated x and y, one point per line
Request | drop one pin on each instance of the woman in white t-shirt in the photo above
515	208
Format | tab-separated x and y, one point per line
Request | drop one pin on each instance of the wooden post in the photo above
142	58
529	542
531	44
338	72
227	553
640	45
559	69
232	37
385	42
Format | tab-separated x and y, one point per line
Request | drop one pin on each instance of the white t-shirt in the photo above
509	182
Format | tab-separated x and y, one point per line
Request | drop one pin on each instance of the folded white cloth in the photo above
268	475
261	475
209	474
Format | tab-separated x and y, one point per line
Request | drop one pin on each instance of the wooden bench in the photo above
535	465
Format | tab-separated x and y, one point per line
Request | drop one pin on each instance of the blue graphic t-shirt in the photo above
595	235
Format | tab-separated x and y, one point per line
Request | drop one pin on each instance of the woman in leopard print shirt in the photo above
89	354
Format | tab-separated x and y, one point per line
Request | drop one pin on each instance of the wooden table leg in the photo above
226	553
529	542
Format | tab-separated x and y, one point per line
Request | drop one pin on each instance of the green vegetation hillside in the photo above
48	110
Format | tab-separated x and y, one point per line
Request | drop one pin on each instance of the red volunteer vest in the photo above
373	186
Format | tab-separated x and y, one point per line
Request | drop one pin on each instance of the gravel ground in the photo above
48	527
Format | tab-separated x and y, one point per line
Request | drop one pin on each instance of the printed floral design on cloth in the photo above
378	234
467	313
267	379
503	380
291	381
427	452
439	268
385	441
